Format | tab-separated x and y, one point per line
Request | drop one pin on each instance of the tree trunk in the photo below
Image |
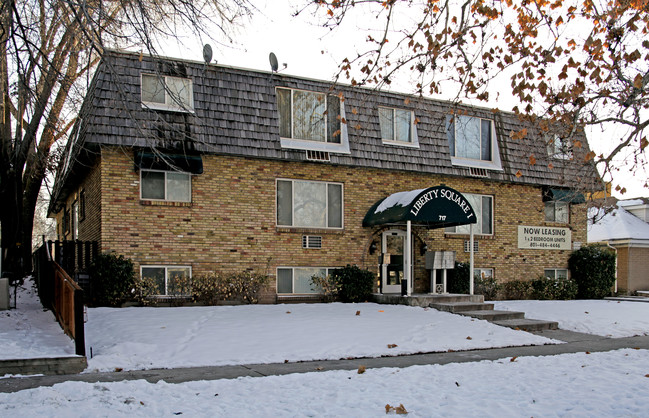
11	218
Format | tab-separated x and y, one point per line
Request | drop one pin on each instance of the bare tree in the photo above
575	63
48	49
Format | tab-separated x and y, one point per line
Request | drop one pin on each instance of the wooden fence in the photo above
59	292
68	307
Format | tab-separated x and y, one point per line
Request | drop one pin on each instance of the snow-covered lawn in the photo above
30	331
585	385
144	338
600	317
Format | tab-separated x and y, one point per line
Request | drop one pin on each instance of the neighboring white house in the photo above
626	228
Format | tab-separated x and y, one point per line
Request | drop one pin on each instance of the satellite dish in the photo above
207	53
274	65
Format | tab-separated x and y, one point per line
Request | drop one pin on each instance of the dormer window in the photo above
312	121
397	126
559	148
167	93
472	142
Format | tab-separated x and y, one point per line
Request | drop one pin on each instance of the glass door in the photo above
392	247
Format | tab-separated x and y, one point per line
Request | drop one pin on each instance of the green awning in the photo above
435	207
149	160
563	195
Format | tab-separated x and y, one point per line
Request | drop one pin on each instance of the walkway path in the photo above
574	343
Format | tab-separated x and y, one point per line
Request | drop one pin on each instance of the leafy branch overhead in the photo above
48	50
575	63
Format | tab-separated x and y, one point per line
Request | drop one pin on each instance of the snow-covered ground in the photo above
30	331
599	384
144	338
608	318
581	384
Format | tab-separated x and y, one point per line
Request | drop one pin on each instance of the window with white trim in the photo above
168	280
297	280
397	126
310	204
172	186
559	148
312	121
483	207
483	273
167	93
75	220
557	212
472	142
556	273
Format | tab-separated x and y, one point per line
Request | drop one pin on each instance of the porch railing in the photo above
68	307
59	292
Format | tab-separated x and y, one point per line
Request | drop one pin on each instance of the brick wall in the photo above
90	224
230	223
638	269
622	269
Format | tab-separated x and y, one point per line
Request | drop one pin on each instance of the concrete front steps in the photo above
481	310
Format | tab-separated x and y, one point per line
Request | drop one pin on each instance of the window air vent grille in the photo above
467	246
317	155
311	241
477	172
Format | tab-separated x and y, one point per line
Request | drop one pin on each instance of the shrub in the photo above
145	290
329	286
458	282
356	285
517	289
113	280
550	288
487	286
242	287
593	269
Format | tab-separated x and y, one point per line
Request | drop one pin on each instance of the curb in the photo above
44	366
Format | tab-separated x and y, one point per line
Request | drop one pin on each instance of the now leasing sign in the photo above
544	238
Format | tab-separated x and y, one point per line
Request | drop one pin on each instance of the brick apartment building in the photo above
189	168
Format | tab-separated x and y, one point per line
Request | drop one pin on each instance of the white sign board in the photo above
440	260
544	238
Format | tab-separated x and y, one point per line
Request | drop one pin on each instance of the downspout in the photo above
608	244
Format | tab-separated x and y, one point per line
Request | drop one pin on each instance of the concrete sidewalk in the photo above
574	343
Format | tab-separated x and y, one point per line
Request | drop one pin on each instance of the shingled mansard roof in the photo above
235	113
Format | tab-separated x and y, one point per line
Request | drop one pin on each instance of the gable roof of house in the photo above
235	113
618	224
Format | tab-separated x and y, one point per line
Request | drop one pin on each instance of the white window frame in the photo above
477	271
454	229
74	220
413	140
170	103
306	144
166	268
328	271
554	204
342	205
555	271
493	164
559	148
166	199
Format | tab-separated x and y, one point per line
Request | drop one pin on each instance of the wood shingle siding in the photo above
235	113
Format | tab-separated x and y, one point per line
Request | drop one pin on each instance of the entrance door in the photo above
393	245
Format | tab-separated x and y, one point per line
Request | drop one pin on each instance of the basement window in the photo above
168	280
297	280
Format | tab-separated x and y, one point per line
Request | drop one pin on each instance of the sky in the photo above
309	50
